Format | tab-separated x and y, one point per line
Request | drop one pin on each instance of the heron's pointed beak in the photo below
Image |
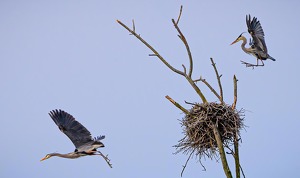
234	42
44	158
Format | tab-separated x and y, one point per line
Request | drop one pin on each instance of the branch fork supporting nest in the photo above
208	127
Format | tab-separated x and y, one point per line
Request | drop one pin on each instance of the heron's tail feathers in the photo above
269	57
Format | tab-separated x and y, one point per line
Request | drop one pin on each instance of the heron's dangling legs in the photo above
105	158
253	65
262	62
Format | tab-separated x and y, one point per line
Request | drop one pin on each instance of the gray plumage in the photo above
258	46
77	133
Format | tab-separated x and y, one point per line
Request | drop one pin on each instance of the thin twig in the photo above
186	102
151	48
204	169
186	162
210	87
133	25
177	105
188	77
180	12
242	171
234	91
184	69
106	159
219	79
183	39
237	165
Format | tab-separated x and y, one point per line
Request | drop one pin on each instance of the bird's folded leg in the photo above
105	158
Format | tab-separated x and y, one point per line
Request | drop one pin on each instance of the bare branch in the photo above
222	152
181	36
151	48
196	88
234	91
133	25
218	78
186	102
236	157
184	69
242	171
210	87
180	12
177	105
237	163
188	77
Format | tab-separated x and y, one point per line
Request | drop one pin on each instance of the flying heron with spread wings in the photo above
78	134
258	46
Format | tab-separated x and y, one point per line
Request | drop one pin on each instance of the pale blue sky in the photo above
72	55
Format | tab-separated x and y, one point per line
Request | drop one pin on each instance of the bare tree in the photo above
209	127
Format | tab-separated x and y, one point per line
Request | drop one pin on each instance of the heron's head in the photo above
46	157
238	38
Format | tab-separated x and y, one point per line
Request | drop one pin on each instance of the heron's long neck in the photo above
68	155
244	44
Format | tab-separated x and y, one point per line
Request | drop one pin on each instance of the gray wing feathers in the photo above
66	123
257	33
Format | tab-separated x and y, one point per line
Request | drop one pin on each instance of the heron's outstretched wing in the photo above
66	123
257	33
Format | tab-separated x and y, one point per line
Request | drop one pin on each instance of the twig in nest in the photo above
202	126
186	102
186	162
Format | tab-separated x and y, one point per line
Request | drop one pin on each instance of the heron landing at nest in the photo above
258	46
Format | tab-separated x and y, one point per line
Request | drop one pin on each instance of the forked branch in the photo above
217	134
219	79
151	48
181	36
219	96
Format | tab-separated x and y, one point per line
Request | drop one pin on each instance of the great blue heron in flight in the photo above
258	46
78	134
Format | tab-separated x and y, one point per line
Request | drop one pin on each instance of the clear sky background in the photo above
72	55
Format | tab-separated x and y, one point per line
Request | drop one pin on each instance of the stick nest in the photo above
198	131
